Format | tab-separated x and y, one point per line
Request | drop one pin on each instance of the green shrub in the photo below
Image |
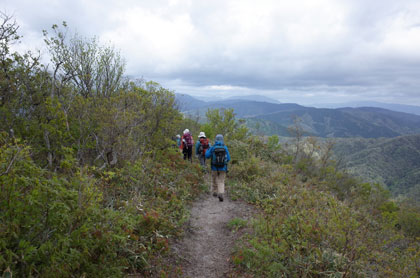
409	220
52	226
55	225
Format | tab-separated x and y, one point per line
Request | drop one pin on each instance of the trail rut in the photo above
208	243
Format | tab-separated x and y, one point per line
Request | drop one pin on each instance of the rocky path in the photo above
208	243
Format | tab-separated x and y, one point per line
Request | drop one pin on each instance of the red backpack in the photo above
204	145
188	140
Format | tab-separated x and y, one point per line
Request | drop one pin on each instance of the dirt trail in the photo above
208	243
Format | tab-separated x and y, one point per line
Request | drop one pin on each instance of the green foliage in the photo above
50	223
393	162
262	127
90	184
82	63
158	189
192	124
208	129
237	223
78	224
316	221
104	129
409	220
224	122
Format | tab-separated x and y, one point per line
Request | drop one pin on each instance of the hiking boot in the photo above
214	194
220	197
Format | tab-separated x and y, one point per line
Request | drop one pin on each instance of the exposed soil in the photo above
208	243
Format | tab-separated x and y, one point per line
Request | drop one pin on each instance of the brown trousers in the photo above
218	181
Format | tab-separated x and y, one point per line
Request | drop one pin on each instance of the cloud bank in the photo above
303	51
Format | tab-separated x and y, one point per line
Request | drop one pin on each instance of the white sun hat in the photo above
202	134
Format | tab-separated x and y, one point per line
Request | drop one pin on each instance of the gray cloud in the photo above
304	51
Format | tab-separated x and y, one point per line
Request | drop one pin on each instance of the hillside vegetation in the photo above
93	186
394	162
316	221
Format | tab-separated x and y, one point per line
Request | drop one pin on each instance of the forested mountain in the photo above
398	122
394	162
348	122
242	108
271	118
187	102
263	127
411	109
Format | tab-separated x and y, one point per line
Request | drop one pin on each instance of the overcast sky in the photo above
304	51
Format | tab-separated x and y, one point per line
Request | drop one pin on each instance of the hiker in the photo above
187	143
220	156
178	140
201	148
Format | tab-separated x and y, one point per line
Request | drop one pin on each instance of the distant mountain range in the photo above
274	118
255	98
191	104
390	106
364	122
259	98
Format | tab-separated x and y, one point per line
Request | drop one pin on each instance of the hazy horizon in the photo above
210	98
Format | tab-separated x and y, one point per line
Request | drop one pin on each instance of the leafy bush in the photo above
55	225
409	220
51	225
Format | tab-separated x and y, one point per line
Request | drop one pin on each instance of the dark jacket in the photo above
210	151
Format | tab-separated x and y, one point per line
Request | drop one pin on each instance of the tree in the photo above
224	122
93	69
8	35
296	131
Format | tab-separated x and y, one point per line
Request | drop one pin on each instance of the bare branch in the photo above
9	167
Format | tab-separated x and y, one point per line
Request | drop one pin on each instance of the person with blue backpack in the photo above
220	157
